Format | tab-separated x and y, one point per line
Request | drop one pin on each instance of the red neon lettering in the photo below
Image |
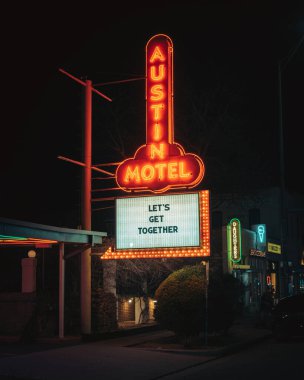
172	170
160	75
160	164
156	110
182	172
157	92
157	132
157	55
157	151
132	174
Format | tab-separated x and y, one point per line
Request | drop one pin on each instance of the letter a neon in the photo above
157	55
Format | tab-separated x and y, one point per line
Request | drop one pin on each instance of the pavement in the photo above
132	353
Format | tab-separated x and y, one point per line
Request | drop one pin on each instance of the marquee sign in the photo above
162	226
158	221
161	164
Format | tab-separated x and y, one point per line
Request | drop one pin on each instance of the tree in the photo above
181	301
142	277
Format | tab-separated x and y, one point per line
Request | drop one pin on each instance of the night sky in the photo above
235	45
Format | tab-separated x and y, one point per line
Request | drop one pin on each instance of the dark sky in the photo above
41	117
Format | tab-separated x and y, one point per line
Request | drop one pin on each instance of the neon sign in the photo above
234	240
260	230
160	164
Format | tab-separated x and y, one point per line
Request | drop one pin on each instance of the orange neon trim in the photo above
26	241
202	251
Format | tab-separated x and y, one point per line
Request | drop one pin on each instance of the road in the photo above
268	360
114	360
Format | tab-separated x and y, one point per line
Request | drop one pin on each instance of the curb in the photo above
217	352
120	333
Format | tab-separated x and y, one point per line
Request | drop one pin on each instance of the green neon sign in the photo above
7	237
234	240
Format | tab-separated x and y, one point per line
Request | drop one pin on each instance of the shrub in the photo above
181	301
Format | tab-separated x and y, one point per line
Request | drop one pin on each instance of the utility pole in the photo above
85	296
86	217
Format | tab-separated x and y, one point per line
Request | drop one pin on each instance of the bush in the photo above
181	301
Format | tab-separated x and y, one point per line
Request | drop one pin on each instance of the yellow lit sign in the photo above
274	248
240	266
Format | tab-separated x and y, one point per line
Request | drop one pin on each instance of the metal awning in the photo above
16	232
19	233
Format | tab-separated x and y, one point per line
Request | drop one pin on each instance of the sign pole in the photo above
205	327
86	214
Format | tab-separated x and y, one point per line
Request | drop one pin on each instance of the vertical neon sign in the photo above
160	164
234	241
159	94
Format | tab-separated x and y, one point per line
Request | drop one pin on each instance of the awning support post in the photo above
61	290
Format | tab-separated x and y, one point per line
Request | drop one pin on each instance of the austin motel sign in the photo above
160	164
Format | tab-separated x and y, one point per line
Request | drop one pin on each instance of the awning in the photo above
16	232
19	233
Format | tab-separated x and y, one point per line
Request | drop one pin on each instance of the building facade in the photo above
271	252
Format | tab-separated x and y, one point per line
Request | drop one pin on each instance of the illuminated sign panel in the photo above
160	164
234	240
175	225
257	253
274	248
158	221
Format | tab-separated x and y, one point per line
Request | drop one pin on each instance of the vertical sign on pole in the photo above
161	164
234	240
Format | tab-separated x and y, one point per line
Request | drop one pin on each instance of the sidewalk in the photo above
243	333
151	335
